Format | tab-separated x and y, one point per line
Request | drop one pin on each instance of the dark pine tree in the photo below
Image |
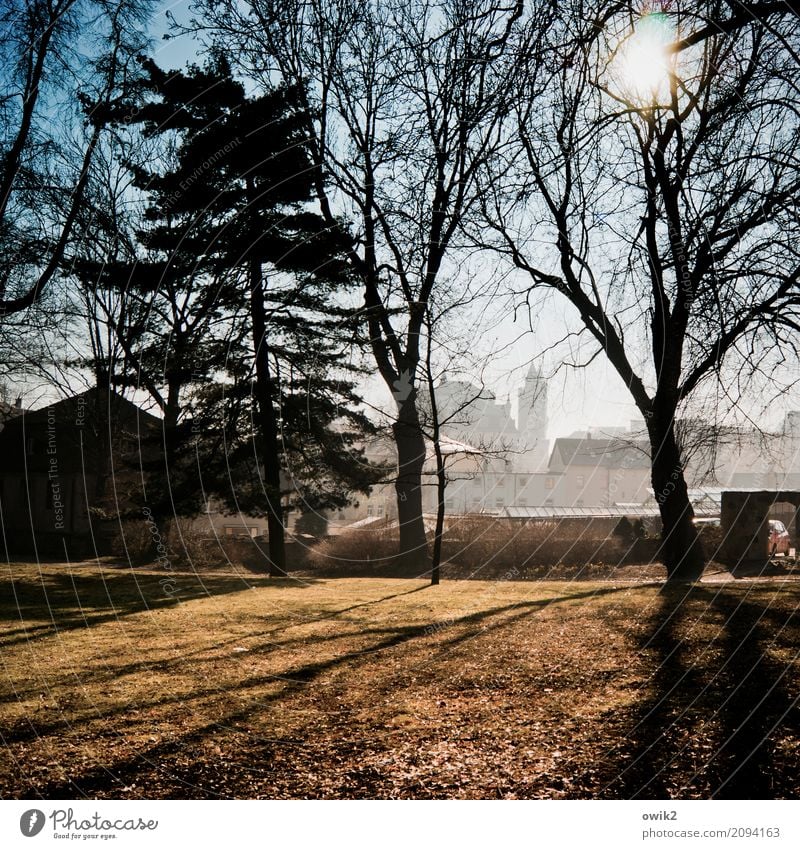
232	251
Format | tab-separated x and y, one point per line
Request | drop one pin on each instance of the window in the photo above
549	483
240	531
523	481
129	446
498	502
579	480
522	502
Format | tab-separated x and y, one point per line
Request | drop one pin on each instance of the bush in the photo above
141	541
360	551
485	543
133	540
711	538
189	547
489	547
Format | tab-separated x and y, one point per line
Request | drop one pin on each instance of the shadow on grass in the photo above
156	758
71	600
719	710
112	673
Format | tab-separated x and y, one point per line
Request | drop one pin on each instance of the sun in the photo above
642	63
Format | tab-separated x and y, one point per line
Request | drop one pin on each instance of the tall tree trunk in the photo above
441	477
408	486
441	484
267	423
172	406
681	548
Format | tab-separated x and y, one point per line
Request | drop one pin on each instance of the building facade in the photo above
68	469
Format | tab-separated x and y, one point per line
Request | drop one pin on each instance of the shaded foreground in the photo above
360	688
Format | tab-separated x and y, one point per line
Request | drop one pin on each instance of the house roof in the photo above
451	447
87	406
613	512
607	453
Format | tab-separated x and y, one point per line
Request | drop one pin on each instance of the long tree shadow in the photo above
111	672
105	779
718	709
26	730
69	600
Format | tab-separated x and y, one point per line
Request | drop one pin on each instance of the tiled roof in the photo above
608	453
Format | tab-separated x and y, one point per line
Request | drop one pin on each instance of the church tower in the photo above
532	422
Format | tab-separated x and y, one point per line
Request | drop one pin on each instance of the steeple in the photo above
532	410
533	373
532	422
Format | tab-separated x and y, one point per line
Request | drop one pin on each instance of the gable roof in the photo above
605	453
89	407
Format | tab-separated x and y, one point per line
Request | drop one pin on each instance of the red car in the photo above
779	539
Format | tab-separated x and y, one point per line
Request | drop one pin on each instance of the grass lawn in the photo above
248	687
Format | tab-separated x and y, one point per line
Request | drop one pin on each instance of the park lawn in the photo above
242	686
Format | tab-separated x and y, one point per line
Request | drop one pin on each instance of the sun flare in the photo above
642	64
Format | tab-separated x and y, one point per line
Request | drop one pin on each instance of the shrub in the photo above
360	551
485	543
711	537
138	541
134	541
487	547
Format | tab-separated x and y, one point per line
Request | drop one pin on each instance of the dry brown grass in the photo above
243	687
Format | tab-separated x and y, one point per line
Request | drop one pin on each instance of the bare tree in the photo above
448	419
656	159
55	56
403	108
